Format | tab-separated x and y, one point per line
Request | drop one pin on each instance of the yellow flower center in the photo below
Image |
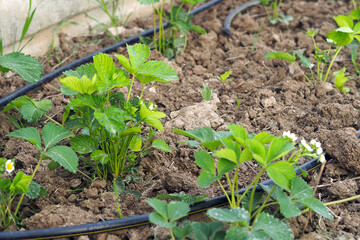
9	166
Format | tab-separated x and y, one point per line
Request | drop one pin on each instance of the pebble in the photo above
268	102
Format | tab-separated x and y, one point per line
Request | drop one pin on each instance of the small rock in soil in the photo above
268	102
100	184
199	115
91	193
344	189
72	198
112	237
75	183
101	236
83	238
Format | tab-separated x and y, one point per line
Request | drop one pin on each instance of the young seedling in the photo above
174	40
206	92
238	102
276	17
225	77
112	8
342	36
223	152
340	80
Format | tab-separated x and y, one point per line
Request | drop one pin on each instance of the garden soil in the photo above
261	95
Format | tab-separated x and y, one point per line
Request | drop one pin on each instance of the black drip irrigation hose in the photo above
234	13
113	225
50	76
129	222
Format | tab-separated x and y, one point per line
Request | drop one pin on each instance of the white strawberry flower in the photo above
322	158
316	146
151	107
306	146
9	166
291	137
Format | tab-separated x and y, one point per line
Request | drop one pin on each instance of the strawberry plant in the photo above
51	135
110	124
223	152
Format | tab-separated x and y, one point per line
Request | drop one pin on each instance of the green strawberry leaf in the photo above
33	110
82	144
278	148
28	67
205	134
112	118
53	134
280	55
81	85
86	69
29	134
273	227
138	54
208	231
105	66
282	173
161	144
205	161
99	156
287	208
232	215
317	206
65	156
159	70
151	118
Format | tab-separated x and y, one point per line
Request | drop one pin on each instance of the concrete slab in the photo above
49	16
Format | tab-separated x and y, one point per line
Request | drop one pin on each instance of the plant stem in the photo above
171	234
335	202
32	177
342	200
84	174
263	205
256	180
223	189
236	183
154	19
232	189
331	63
131	85
50	118
142	90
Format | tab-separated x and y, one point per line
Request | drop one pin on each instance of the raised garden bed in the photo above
261	95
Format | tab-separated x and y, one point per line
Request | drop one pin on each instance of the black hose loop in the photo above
50	76
129	222
234	13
